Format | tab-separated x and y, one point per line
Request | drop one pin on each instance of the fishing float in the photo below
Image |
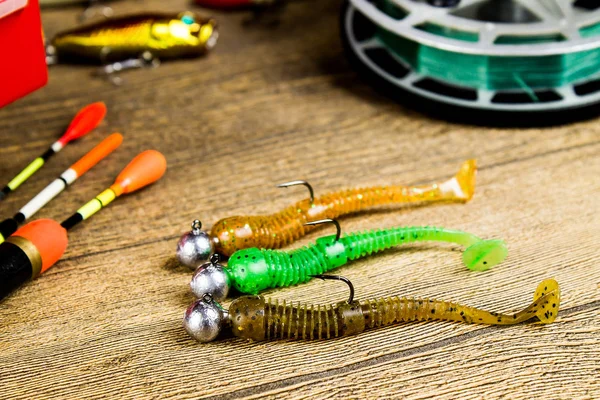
38	245
83	123
84	164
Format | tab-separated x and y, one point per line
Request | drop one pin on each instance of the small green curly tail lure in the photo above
254	270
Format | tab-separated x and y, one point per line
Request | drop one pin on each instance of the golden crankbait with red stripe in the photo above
163	36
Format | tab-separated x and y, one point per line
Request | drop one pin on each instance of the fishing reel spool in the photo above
490	62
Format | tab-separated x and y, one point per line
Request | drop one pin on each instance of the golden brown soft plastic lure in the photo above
164	36
254	318
280	229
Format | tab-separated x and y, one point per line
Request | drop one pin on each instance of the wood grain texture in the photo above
273	104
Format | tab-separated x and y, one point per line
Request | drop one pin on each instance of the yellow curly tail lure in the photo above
282	228
164	36
254	318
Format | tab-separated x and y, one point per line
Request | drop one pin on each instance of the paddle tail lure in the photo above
280	229
256	318
85	121
84	164
253	270
38	245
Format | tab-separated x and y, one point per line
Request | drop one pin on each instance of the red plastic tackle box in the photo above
22	55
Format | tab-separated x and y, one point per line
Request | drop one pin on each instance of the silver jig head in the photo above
205	319
211	278
194	247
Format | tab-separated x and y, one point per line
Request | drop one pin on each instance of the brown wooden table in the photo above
271	105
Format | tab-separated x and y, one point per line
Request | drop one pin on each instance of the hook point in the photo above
303	183
339	278
328	221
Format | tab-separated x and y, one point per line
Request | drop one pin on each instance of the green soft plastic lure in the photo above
253	270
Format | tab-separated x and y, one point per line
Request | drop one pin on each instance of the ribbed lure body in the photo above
254	318
253	270
282	228
166	36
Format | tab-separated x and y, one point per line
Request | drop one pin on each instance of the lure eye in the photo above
187	18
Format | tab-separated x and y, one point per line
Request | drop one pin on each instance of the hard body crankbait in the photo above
253	270
280	229
163	36
254	318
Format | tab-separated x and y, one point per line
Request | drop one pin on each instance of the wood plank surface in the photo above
271	104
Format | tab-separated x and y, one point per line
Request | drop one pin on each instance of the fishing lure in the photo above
253	270
280	229
135	41
256	318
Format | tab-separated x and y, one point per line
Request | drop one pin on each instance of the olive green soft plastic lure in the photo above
254	318
253	270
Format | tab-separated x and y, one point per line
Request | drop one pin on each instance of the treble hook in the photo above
145	60
339	278
328	221
296	183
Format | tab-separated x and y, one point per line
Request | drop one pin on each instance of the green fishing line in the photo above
524	73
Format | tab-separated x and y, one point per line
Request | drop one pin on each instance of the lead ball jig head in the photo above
256	318
194	247
253	270
280	229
